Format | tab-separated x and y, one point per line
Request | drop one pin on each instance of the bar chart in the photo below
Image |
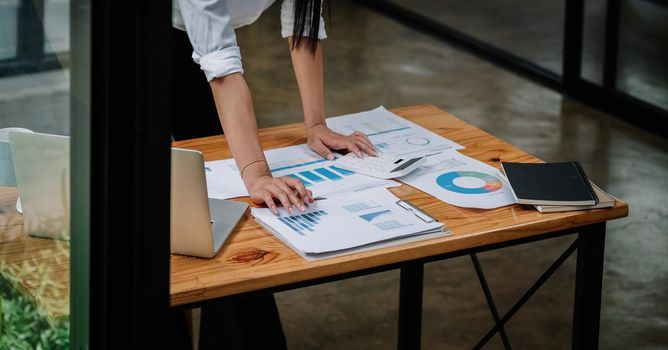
303	222
320	175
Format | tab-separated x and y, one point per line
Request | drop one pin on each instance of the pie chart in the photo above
469	182
417	141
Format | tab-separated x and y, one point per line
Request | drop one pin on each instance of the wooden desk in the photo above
254	261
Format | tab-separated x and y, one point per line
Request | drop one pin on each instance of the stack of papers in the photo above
319	175
339	224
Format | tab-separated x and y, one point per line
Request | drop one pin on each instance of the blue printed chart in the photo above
462	181
384	220
320	175
469	182
344	222
325	179
391	134
303	223
324	174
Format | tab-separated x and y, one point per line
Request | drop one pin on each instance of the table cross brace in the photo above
499	323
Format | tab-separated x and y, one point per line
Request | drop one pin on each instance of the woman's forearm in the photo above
309	73
235	109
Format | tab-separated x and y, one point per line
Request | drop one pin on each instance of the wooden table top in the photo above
38	267
253	259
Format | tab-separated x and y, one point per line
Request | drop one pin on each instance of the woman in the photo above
210	26
254	323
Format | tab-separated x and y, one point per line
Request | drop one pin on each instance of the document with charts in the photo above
319	175
345	222
391	134
462	181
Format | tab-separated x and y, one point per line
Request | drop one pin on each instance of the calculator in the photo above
384	167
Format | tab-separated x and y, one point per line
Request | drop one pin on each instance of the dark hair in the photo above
307	23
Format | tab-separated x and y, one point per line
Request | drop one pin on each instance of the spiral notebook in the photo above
605	200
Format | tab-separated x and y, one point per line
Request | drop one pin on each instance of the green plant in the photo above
22	327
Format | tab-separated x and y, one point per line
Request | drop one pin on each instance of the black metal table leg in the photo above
588	285
410	306
490	301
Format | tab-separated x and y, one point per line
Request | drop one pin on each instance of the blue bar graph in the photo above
330	175
342	171
303	222
382	145
389	225
311	176
306	183
288	224
360	206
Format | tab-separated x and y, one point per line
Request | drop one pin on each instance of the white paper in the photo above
321	176
391	134
223	180
462	181
344	222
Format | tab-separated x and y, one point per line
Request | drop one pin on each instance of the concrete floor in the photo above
371	60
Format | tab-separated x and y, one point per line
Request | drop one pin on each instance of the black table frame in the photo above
590	246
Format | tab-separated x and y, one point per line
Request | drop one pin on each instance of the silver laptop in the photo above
199	225
42	170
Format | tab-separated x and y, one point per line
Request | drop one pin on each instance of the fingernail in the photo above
290	210
302	207
274	210
330	156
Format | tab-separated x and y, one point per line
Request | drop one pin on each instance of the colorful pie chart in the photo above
469	182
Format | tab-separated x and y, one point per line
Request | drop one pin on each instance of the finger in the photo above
310	196
319	148
366	148
282	196
363	138
297	202
352	147
270	202
299	186
359	133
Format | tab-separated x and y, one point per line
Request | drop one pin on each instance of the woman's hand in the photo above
322	140
288	191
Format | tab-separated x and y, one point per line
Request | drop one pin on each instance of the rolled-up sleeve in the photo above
288	21
212	36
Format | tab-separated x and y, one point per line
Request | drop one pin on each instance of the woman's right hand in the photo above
287	190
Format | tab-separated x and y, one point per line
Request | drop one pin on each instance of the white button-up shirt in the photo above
210	26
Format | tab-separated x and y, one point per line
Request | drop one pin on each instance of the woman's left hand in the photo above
322	140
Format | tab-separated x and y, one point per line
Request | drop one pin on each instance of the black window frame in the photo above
121	153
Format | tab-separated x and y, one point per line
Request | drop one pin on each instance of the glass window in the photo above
532	30
35	205
642	70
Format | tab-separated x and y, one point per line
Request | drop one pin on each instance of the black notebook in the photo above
549	183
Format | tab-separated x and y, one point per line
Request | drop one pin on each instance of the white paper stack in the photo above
339	224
